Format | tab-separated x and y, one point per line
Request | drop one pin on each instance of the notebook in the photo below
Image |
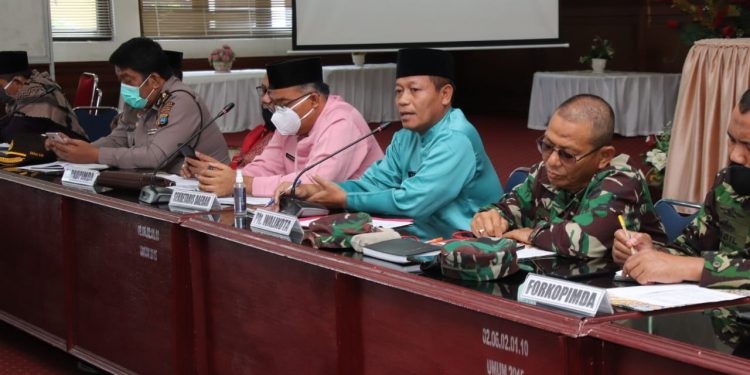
398	250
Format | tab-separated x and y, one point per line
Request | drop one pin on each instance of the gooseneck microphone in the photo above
156	194
293	206
23	102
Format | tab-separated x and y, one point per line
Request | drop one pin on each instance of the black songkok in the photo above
13	62
294	73
424	62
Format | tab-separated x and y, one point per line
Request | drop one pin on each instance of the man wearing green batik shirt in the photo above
714	248
570	202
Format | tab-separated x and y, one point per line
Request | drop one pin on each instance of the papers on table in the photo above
59	166
533	252
657	297
4	146
180	183
250	201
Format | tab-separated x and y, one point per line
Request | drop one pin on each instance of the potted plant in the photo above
601	51
711	19
656	157
221	58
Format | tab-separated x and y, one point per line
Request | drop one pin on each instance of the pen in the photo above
622	224
287	191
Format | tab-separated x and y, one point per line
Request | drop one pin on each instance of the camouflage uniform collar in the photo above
620	162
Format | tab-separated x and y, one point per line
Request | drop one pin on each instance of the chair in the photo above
95	121
88	84
516	177
673	221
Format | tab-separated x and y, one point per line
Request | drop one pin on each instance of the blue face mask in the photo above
131	95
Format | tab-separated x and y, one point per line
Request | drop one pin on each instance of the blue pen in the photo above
289	190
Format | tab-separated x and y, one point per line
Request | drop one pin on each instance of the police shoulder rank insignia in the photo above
163	119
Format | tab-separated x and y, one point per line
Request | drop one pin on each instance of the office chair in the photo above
673	221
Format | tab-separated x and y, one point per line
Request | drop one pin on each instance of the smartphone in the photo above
57	137
188	152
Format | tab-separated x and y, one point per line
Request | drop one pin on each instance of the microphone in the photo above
293	206
21	103
156	194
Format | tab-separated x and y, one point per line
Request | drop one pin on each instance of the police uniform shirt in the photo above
158	130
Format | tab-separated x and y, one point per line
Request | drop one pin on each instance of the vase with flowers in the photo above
221	59
601	51
711	19
656	157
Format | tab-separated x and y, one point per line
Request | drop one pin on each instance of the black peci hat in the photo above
294	73
13	62
424	62
175	59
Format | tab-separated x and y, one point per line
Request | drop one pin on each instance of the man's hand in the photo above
218	178
74	151
328	194
194	167
520	235
651	266
621	249
489	224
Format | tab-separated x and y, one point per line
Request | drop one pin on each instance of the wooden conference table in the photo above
138	289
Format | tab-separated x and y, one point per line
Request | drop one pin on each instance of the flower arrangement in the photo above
221	58
600	49
712	19
656	157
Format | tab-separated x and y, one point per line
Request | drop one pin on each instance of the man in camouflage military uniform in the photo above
167	116
717	241
570	201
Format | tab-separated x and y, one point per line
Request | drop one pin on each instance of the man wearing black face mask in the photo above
258	138
715	248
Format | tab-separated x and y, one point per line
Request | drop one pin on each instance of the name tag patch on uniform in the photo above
163	119
290	156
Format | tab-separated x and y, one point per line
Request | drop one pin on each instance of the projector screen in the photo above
390	24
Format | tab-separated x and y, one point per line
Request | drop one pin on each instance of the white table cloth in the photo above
643	102
370	89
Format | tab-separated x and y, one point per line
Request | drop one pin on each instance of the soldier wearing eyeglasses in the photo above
570	201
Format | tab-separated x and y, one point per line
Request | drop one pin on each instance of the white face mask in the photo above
286	120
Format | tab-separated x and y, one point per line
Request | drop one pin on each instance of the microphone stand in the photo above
291	204
157	194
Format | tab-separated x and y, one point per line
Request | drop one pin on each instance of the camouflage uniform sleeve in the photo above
722	270
515	205
590	232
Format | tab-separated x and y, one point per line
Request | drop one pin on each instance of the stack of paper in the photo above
59	166
657	297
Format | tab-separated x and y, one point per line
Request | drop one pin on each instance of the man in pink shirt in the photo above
310	125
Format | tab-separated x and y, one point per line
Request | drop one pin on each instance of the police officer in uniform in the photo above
167	112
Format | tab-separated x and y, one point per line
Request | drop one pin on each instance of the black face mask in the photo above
739	178
267	118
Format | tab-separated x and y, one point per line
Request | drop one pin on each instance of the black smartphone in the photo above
188	152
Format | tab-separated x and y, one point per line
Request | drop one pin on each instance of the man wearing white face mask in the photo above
310	125
167	112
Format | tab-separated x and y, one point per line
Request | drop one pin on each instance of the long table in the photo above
137	289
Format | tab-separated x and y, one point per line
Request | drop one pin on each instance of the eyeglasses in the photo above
287	103
565	157
261	90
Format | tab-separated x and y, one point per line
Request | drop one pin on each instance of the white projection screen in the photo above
389	24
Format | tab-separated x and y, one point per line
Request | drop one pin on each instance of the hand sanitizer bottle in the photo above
239	194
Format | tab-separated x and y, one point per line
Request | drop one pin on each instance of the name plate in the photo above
564	295
79	176
193	201
277	224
